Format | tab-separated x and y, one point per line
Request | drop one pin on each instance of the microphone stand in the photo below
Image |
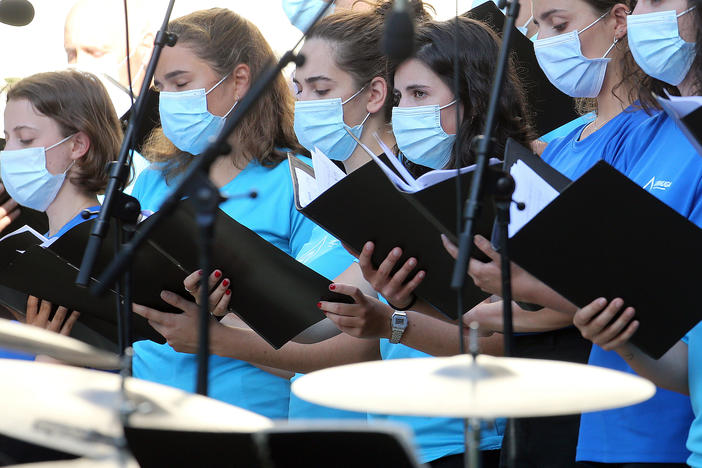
503	192
124	208
196	184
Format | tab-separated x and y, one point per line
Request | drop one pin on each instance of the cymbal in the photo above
33	340
455	387
75	410
104	462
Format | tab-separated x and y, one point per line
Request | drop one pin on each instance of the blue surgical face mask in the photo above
320	124
420	137
186	121
26	178
525	29
302	12
657	47
563	62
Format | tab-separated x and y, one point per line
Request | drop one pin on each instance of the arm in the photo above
180	330
489	316
370	318
595	322
526	288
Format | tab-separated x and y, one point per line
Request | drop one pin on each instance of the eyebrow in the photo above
170	75
549	13
313	79
22	127
415	86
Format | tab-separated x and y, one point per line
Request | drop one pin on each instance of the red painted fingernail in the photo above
228	292
218	273
225	283
199	272
332	287
319	305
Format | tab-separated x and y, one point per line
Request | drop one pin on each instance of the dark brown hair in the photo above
476	70
78	102
356	38
224	40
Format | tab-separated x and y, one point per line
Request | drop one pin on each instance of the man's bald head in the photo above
94	35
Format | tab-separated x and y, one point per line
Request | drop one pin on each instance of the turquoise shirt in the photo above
435	438
273	216
694	363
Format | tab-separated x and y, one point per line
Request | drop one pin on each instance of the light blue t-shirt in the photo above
660	159
435	438
694	372
567	128
273	216
325	255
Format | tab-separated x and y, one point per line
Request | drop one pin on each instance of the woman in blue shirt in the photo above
61	131
219	55
663	38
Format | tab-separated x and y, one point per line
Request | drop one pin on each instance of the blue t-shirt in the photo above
565	129
694	372
273	216
325	255
660	159
435	438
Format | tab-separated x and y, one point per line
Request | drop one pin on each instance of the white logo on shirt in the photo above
653	184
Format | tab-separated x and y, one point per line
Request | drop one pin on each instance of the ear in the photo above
619	14
378	88
80	144
242	80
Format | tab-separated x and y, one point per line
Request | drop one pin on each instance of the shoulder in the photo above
559	145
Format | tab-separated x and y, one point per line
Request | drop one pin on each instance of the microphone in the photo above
398	39
16	12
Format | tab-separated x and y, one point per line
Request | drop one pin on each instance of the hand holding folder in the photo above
604	236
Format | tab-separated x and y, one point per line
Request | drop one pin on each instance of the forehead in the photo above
319	61
415	72
21	113
181	58
86	27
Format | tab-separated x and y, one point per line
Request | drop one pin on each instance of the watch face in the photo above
399	321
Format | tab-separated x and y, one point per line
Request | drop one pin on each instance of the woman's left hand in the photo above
179	330
367	318
38	313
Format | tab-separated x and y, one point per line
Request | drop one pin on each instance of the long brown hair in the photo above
224	40
77	102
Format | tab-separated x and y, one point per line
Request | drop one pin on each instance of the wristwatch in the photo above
399	323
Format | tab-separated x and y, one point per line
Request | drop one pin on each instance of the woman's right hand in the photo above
220	294
9	211
391	286
595	323
38	313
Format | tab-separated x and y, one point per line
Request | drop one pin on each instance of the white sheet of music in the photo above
530	189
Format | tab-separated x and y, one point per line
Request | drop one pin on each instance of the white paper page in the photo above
530	189
680	106
325	171
440	175
307	189
394	160
25	228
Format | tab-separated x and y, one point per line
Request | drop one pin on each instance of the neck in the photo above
359	157
223	170
611	102
68	203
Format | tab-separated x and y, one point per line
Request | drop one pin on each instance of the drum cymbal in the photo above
75	410
455	387
33	340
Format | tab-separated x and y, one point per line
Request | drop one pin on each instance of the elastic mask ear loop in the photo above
357	93
611	47
528	22
449	104
594	22
230	110
218	83
62	141
686	11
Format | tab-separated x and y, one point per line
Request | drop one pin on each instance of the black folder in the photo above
604	236
550	107
272	292
688	121
366	206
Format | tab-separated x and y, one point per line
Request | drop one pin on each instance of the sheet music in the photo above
26	228
533	191
307	189
677	109
326	173
395	161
